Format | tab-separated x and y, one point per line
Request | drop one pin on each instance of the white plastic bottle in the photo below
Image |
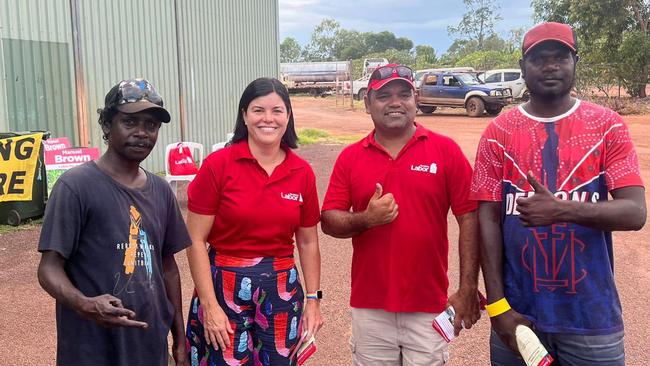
531	349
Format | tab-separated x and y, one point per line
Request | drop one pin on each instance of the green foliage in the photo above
308	136
486	60
402	57
551	10
497	52
635	71
28	224
323	42
425	56
478	22
612	37
330	42
290	50
595	77
350	45
515	39
379	42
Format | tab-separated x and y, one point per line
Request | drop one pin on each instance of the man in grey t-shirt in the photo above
109	236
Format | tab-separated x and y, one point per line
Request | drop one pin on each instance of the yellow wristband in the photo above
498	307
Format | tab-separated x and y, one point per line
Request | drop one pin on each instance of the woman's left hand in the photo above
312	319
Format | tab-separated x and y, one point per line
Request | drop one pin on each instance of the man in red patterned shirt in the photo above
542	175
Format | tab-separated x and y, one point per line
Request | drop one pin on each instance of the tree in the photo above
350	45
289	50
382	41
551	10
515	39
322	46
478	22
425	56
635	71
611	33
402	57
486	60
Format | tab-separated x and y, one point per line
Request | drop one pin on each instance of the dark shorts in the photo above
263	299
567	350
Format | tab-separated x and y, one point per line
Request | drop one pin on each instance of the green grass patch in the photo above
28	225
308	136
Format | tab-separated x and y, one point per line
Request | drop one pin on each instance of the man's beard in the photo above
550	95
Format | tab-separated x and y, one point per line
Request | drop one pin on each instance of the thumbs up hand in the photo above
382	209
540	209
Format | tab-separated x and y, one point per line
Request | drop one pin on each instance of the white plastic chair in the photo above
218	146
222	144
197	154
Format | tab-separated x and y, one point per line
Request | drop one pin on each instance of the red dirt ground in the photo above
28	330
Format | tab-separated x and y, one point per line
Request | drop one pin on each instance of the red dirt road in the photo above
28	330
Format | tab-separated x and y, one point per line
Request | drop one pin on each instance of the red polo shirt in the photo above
255	215
402	266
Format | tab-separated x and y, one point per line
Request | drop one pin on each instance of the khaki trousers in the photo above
381	338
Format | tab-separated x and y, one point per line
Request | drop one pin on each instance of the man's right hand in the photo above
108	311
216	327
505	324
381	209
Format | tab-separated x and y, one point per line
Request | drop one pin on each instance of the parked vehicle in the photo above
506	78
360	86
315	78
460	90
370	64
420	73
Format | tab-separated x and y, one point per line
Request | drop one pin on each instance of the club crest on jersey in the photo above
424	168
292	196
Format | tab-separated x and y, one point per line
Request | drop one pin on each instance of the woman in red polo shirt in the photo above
248	201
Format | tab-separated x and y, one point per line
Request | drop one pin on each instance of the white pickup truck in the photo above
360	86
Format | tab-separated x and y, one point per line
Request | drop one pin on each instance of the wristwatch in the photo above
315	295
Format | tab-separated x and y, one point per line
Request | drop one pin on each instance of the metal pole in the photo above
336	90
80	85
351	85
181	98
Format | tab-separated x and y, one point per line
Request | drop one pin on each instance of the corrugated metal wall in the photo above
122	39
225	44
36	68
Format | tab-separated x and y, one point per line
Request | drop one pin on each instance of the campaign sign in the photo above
19	160
58	161
55	144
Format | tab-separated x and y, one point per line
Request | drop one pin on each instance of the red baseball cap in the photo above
550	31
390	72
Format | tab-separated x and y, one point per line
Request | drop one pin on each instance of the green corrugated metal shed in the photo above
200	54
36	67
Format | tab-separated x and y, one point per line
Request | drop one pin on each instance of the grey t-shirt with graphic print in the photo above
113	239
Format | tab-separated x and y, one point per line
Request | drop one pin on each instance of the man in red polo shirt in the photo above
400	181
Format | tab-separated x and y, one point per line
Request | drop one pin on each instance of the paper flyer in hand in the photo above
444	324
307	348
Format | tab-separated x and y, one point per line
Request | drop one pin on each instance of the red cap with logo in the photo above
550	31
387	73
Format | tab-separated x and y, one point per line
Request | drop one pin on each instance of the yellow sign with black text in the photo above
18	164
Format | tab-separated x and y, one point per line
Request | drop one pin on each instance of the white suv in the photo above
506	78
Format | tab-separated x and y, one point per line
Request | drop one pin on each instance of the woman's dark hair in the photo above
259	88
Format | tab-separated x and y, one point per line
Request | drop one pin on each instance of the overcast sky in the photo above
422	21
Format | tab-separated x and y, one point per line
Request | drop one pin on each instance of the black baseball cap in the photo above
136	95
